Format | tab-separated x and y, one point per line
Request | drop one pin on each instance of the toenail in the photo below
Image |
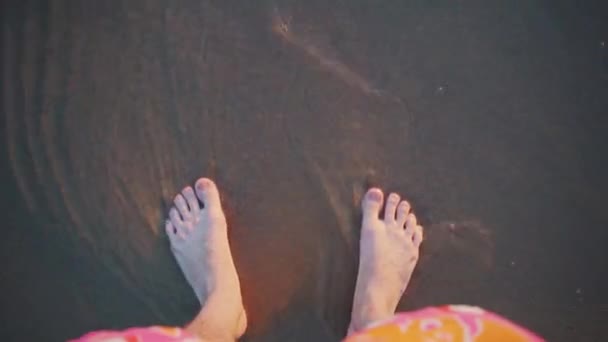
203	183
374	195
393	198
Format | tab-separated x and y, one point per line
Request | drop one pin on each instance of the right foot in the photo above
199	242
388	254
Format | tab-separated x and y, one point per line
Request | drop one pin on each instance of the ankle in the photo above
217	321
367	310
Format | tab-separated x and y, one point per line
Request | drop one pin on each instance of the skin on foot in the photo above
389	249
198	234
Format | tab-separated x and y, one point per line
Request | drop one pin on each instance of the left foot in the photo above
199	242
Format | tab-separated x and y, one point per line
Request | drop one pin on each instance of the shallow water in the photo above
488	118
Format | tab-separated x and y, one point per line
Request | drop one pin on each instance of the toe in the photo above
410	224
418	236
182	207
391	207
172	232
176	220
191	200
372	202
207	192
402	210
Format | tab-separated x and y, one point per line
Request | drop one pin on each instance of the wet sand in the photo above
490	118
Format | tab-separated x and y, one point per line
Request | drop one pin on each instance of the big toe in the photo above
372	203
207	192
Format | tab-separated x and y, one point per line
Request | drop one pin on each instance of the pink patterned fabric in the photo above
149	334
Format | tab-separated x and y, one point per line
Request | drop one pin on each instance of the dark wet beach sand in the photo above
491	118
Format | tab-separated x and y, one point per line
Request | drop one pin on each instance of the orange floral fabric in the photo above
453	323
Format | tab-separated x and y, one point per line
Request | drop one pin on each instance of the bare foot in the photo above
389	252
199	242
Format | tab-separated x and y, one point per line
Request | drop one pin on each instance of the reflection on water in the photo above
282	27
